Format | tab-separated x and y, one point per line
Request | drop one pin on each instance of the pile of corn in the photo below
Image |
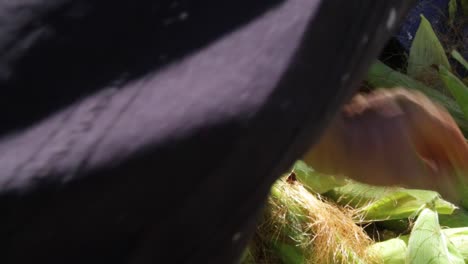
316	218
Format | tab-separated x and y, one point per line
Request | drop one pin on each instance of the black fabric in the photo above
151	131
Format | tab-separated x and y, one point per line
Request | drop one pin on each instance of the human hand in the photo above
394	137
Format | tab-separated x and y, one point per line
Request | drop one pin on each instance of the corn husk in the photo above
392	251
428	244
314	181
301	227
459	238
384	203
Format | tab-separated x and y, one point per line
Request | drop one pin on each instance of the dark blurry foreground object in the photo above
151	131
394	137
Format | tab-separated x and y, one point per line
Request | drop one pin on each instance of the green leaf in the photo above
458	57
357	194
426	50
380	75
392	251
464	5
289	254
428	244
456	87
405	203
382	203
452	10
314	181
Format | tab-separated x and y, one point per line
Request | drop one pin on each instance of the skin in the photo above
394	137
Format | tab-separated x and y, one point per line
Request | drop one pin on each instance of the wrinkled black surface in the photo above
149	131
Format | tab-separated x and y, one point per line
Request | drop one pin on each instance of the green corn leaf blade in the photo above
428	244
459	218
397	205
380	75
405	203
426	50
456	87
357	194
452	10
458	57
382	203
392	251
314	181
464	5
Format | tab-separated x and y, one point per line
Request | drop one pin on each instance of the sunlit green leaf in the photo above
314	181
405	203
381	203
426	51
456	87
357	194
458	57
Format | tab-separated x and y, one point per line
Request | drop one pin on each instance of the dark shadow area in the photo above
394	55
102	216
93	44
